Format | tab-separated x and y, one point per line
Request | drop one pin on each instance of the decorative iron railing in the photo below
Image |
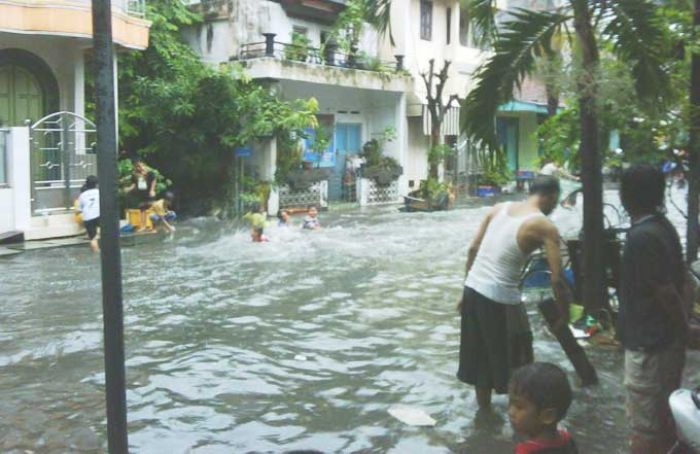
328	56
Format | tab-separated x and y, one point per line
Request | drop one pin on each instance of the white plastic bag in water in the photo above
413	416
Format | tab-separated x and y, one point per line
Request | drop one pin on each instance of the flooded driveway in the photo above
303	342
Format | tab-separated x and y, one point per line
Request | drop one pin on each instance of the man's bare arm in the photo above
551	241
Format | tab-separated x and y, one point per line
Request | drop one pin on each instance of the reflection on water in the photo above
303	342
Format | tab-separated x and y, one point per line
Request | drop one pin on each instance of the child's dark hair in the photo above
279	213
90	183
258	230
543	384
310	206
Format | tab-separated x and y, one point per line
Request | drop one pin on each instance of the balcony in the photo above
74	18
272	59
331	56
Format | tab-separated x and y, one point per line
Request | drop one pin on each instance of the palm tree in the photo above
629	29
378	15
484	31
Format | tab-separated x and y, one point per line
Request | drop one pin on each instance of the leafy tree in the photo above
435	82
187	118
630	29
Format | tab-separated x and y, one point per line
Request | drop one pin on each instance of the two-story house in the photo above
359	97
45	139
440	29
282	44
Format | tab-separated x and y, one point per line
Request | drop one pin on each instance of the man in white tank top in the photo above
495	333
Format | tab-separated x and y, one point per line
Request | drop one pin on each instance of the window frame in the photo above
448	26
426	20
464	33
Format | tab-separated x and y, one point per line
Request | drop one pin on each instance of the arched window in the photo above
28	88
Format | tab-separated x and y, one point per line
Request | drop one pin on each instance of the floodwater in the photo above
301	343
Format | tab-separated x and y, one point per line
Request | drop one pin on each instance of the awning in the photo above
523	106
450	124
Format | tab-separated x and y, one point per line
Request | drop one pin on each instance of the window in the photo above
426	20
448	27
463	26
300	30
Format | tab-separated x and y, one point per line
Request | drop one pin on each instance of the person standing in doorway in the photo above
495	332
652	324
89	206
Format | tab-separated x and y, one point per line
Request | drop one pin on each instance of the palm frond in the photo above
482	18
521	40
378	14
637	37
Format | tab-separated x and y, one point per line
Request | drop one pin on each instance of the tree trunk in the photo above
694	151
435	140
594	285
552	101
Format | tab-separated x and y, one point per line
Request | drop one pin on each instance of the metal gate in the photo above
62	156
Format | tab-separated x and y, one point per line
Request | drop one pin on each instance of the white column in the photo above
401	122
79	82
79	98
20	176
273	203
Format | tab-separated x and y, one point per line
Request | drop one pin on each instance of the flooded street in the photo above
303	342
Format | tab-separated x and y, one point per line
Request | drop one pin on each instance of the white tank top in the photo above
499	263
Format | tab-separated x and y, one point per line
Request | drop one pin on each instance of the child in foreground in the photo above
539	397
162	214
257	235
311	221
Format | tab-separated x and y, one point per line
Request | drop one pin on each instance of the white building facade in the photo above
45	139
359	99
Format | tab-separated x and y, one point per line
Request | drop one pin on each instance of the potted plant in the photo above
302	179
384	170
298	50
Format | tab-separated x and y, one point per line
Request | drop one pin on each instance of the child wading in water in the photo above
257	235
89	206
539	397
311	221
283	219
162	214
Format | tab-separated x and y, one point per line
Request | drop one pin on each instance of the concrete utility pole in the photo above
693	231
112	307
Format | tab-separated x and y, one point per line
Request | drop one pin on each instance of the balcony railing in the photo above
329	56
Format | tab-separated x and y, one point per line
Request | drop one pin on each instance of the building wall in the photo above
406	32
417	160
15	198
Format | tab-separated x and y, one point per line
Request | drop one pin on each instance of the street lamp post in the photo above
115	377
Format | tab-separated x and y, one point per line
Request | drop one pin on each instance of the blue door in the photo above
348	141
508	132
